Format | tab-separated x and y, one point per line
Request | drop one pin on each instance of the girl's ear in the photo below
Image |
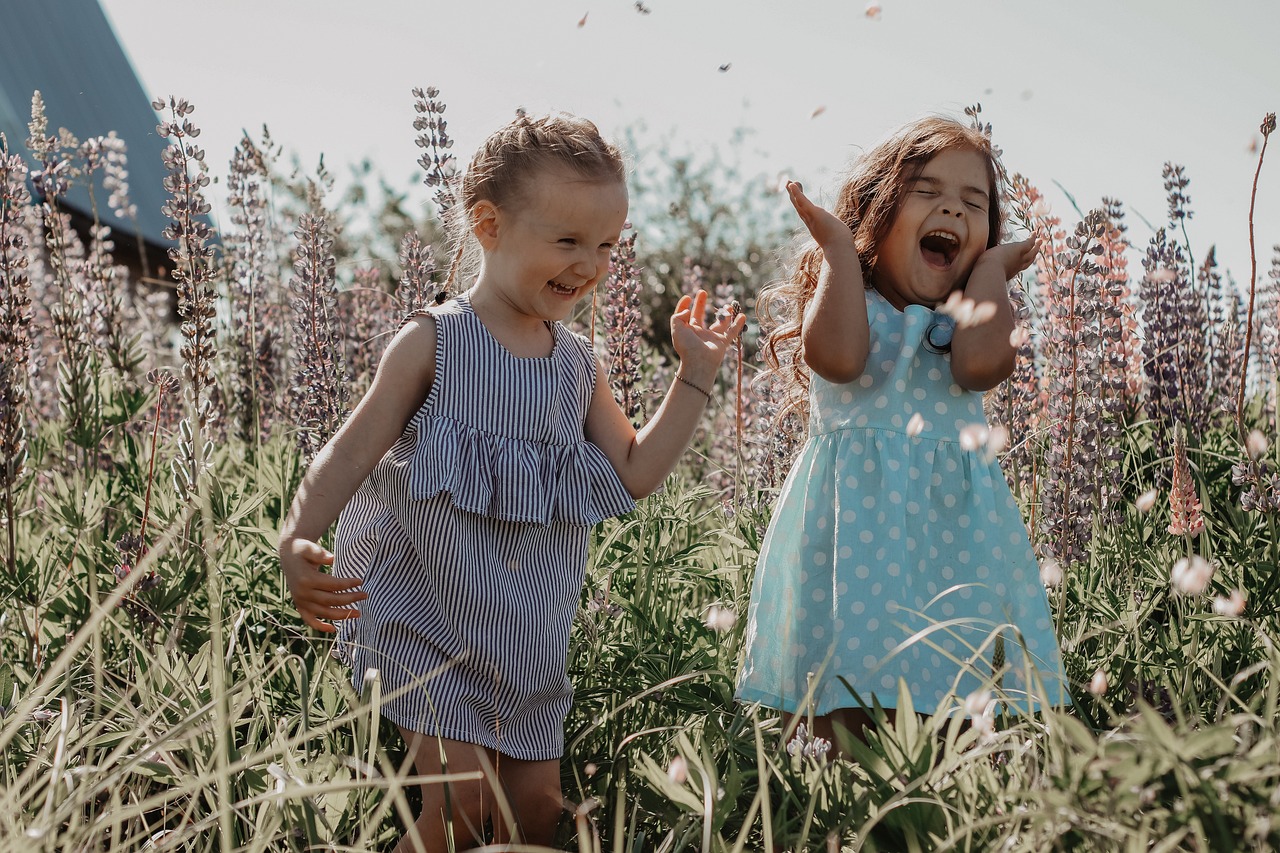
485	218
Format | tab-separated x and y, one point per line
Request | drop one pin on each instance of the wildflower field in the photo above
158	692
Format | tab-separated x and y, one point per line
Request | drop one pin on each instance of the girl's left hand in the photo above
699	344
1011	258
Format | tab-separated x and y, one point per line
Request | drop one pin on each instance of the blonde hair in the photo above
501	168
868	204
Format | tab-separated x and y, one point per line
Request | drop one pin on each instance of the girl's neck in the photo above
522	335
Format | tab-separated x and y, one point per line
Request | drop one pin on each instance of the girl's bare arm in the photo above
834	335
982	356
644	459
403	379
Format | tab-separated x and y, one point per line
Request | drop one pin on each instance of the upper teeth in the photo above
946	235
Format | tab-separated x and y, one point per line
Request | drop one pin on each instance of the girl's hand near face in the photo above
827	229
1010	258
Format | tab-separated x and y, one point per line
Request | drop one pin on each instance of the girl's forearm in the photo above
834	336
982	356
661	442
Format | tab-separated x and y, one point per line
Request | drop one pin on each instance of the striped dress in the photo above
471	537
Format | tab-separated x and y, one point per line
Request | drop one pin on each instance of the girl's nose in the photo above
953	210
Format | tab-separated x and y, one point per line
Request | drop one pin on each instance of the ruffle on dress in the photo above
515	479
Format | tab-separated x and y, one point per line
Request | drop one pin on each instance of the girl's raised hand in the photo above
1011	258
827	229
700	344
318	595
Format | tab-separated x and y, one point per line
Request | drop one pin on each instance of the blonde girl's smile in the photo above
940	230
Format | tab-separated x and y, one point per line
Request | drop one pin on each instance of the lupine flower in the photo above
1232	606
418	266
1184	503
254	292
15	335
194	272
1190	575
803	745
1076	479
624	326
320	391
433	138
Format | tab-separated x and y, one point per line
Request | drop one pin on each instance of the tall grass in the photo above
156	691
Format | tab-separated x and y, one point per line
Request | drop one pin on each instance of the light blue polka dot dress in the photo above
891	555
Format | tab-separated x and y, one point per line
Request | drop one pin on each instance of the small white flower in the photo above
873	10
1256	444
915	426
973	436
372	676
977	703
1098	685
997	441
1050	572
1191	575
720	619
1146	501
981	313
958	308
1230	606
1163	274
591	769
678	771
1040	209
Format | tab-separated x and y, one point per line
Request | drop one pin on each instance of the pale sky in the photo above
1093	94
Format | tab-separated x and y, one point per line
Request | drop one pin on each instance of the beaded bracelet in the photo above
701	391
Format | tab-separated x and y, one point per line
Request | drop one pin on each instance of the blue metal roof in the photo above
68	51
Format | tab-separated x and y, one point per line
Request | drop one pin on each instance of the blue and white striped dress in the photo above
471	536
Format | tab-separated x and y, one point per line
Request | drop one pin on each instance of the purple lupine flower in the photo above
370	314
1071	493
15	338
254	294
1173	318
624	326
319	386
418	267
194	272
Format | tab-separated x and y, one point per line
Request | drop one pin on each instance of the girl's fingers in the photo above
312	553
330	583
333	599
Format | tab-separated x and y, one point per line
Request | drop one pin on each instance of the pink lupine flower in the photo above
1232	605
1184	505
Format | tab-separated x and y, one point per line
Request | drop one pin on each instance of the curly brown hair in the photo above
501	168
868	203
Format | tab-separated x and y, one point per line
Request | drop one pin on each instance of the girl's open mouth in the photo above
561	289
939	249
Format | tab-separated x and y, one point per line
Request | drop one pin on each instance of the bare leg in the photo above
467	804
533	793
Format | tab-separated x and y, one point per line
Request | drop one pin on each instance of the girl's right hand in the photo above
318	595
827	229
